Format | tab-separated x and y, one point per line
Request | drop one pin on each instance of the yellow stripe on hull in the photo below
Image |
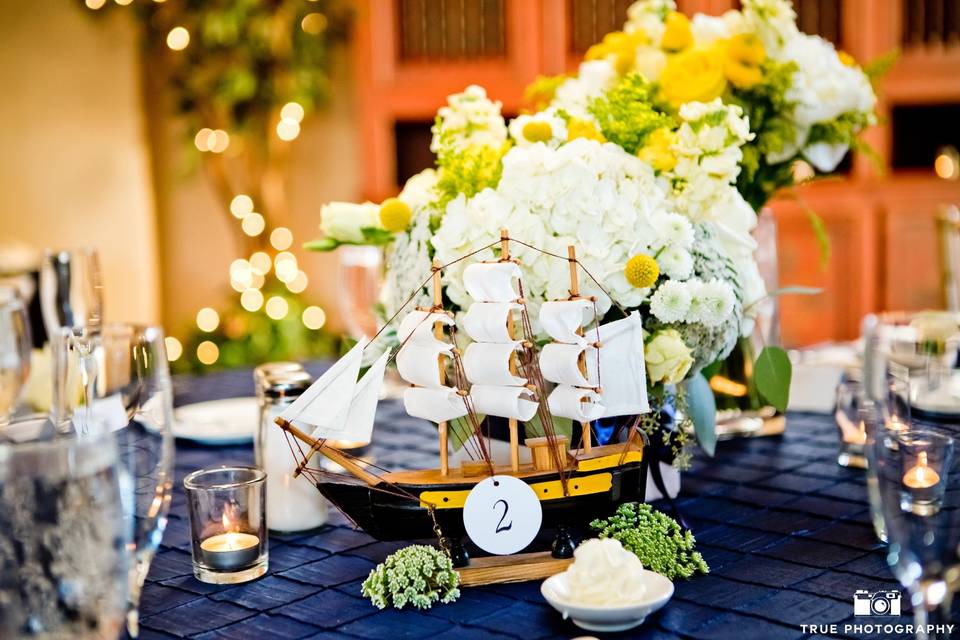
612	460
550	490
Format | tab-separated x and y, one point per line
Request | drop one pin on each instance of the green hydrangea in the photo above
655	538
419	575
626	113
467	170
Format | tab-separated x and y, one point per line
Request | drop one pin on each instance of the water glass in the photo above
850	420
63	534
15	349
71	289
918	498
118	379
360	274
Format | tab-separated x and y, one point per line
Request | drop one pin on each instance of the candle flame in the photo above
921	476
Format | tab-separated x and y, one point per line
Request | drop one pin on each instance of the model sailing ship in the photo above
501	374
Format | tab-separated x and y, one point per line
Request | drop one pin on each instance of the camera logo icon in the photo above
876	603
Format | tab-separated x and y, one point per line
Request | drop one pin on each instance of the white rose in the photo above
343	221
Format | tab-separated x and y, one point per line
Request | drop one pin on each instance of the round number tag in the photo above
502	515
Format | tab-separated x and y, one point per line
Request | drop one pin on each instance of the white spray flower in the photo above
711	303
470	118
671	302
676	262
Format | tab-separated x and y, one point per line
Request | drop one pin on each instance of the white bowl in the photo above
609	619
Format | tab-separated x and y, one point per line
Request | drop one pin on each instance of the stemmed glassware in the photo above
15	349
119	379
359	277
63	533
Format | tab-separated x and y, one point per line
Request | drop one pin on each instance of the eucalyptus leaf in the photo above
790	290
702	407
561	427
459	431
772	373
376	236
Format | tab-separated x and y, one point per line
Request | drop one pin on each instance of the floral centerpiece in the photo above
652	160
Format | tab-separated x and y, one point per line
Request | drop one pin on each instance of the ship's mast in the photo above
511	331
582	360
438	333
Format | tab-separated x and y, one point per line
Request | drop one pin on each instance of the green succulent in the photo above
419	575
655	538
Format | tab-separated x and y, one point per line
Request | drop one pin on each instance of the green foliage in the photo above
772	373
372	237
767	107
702	408
879	67
418	575
655	538
467	170
626	113
539	93
247	338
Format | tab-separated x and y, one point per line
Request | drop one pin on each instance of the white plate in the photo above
217	422
608	619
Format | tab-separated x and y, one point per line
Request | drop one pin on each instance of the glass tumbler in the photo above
228	523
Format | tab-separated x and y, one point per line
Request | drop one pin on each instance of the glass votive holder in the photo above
925	457
849	417
228	523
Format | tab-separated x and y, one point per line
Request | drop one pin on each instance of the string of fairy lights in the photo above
248	276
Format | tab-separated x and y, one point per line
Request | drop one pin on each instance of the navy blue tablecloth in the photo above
785	530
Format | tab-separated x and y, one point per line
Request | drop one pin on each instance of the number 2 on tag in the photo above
502	515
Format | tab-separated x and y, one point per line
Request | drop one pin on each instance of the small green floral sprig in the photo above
419	575
655	538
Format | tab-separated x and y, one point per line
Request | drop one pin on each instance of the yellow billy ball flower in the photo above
847	59
677	34
658	152
395	215
695	74
742	56
578	128
641	271
537	131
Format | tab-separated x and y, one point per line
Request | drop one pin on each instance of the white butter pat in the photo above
605	574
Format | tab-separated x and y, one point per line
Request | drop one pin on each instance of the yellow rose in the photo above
677	34
694	75
742	56
577	128
620	46
658	152
668	358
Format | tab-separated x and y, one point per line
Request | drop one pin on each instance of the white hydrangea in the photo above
671	302
592	195
774	21
711	303
408	264
470	118
676	262
558	128
575	94
647	16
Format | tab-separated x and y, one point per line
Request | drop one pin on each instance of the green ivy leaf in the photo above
321	244
702	407
772	373
376	235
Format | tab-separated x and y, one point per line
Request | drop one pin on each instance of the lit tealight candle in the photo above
921	476
230	551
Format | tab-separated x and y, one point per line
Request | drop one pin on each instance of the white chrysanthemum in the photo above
677	263
671	302
470	118
708	29
711	303
520	132
774	21
647	17
592	80
673	230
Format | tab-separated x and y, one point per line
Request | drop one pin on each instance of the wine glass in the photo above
918	498
360	274
118	378
71	299
63	534
15	350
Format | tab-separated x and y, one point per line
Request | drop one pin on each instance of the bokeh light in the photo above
251	300
241	206
277	308
313	317
174	348
281	238
207	352
314	23
299	283
202	140
285	266
178	38
95	4
947	163
218	141
253	224
208	319
292	111
288	129
261	263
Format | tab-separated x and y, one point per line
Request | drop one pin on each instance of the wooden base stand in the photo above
519	567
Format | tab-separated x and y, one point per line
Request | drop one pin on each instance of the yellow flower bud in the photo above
537	131
658	152
641	271
578	128
695	74
395	215
678	35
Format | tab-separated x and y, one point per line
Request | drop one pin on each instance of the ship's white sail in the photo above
417	327
503	401
623	373
487	321
326	403
561	319
560	363
419	364
575	403
358	427
436	405
492	281
489	363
